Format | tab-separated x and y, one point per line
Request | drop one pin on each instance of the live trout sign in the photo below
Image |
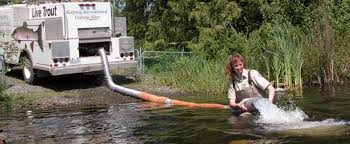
46	11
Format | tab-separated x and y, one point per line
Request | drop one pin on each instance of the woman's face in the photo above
238	67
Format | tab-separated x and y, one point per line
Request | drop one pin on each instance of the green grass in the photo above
20	101
188	73
17	101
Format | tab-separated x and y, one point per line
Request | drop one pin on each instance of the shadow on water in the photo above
72	81
144	122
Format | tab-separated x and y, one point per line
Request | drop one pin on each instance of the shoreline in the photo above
75	92
72	91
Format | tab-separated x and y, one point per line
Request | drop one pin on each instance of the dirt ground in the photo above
76	91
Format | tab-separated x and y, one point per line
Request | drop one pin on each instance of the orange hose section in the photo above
161	99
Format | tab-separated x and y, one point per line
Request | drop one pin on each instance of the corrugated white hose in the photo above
111	84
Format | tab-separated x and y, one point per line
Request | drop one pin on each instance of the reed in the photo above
282	47
267	65
277	67
297	64
289	46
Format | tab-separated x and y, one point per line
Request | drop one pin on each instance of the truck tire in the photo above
27	70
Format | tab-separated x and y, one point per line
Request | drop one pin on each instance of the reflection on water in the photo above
92	125
143	122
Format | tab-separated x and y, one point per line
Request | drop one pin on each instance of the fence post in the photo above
143	63
2	66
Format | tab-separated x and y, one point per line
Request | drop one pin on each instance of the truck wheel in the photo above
27	70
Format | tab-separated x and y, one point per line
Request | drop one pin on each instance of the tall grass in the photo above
280	46
289	43
188	73
276	67
297	64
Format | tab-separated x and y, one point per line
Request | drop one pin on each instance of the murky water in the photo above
315	117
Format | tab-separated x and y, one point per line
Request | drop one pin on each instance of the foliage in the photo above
10	1
251	16
10	49
290	41
136	15
340	15
217	37
218	42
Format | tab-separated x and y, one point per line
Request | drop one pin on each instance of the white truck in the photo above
63	38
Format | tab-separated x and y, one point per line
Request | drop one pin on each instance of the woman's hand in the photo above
240	105
272	92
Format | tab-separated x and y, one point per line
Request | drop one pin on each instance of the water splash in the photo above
270	113
276	119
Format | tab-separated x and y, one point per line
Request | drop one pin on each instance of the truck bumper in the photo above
120	68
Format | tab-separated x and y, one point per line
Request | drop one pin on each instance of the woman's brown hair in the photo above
231	60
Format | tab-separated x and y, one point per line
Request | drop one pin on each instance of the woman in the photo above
244	83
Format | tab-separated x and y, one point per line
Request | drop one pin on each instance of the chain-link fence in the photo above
160	60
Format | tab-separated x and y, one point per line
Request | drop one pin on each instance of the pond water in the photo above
315	117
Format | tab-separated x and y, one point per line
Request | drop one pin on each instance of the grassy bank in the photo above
280	52
19	101
296	43
188	73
